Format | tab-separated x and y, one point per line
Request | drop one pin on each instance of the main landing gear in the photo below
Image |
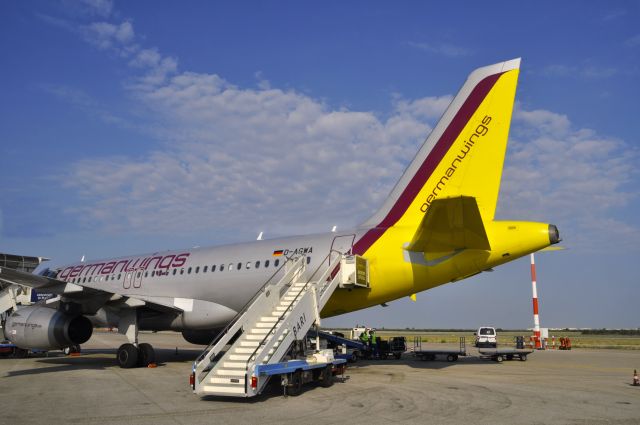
133	354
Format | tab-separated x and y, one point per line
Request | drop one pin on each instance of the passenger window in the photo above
221	267
257	264
175	271
248	266
275	263
197	269
239	266
308	260
189	270
230	267
204	270
119	275
266	263
181	271
139	273
213	268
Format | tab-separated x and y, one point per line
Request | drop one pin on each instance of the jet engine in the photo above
46	329
200	337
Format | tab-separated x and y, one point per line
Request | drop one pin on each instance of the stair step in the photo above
267	325
241	357
219	389
281	308
261	331
234	365
230	372
255	337
244	350
268	319
249	343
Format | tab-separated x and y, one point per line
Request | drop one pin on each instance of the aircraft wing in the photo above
450	224
79	293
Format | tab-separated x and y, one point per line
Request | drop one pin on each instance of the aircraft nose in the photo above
554	234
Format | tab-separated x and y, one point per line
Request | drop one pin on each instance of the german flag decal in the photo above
277	253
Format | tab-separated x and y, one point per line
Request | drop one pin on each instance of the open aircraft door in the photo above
343	243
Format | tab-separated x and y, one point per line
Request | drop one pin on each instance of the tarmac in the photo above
559	387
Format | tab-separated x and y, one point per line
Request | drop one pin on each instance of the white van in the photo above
486	337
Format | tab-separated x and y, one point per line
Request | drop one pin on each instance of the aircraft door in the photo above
343	243
128	279
137	278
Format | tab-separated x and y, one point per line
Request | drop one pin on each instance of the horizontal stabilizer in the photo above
450	224
552	248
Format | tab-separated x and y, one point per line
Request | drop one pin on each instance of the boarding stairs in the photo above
263	332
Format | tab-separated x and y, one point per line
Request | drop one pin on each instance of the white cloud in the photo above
633	41
89	8
574	176
282	160
427	107
587	72
614	14
105	35
241	156
445	49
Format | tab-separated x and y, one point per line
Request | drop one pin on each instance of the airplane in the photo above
436	226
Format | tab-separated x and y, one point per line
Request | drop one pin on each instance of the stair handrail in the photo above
253	356
246	307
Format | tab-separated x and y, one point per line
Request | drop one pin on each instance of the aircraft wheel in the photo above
127	356
327	376
146	355
499	358
451	358
523	357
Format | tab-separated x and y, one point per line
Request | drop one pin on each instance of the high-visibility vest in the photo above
372	335
364	337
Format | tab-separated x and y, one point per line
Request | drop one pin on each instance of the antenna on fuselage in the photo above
82	259
259	237
333	230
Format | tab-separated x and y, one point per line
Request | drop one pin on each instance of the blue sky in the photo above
128	127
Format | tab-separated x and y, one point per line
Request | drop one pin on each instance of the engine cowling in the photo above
200	337
46	329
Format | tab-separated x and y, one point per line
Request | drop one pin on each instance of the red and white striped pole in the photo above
536	318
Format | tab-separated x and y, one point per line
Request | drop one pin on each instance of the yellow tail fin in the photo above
463	155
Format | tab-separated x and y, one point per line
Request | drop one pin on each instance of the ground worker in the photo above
364	337
372	338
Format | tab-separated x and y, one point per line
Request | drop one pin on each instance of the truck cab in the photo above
486	337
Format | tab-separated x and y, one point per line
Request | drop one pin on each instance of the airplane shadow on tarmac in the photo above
88	360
